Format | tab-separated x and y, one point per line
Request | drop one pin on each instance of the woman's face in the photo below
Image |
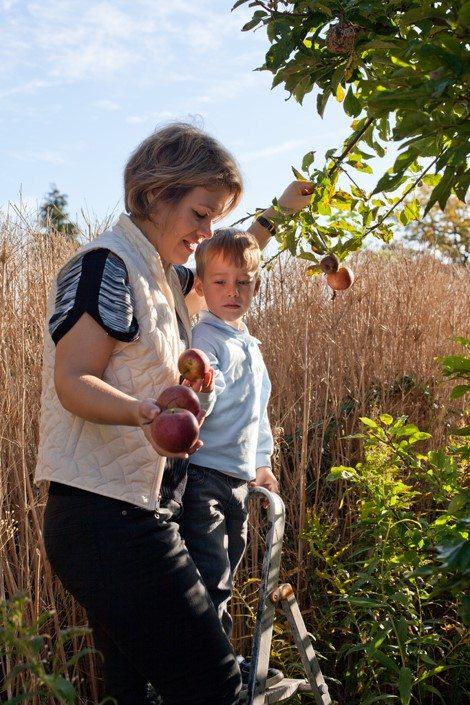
176	229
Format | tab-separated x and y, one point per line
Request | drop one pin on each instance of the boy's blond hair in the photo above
238	246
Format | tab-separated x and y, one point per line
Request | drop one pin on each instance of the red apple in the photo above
179	397
340	280
193	364
175	430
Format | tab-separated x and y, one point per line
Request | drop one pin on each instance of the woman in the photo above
117	320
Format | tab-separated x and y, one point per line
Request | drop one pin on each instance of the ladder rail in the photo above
270	594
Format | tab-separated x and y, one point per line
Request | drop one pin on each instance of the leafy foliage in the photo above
394	636
404	79
35	655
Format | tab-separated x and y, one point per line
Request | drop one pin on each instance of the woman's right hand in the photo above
147	411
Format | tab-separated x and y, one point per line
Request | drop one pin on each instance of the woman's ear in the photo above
151	195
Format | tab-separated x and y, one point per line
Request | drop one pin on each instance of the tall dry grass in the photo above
370	349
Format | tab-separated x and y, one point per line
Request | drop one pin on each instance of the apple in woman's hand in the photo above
180	397
193	364
340	280
175	430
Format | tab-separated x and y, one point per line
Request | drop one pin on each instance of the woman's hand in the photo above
296	196
293	199
147	412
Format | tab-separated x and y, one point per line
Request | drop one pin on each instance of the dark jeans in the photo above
214	526
151	615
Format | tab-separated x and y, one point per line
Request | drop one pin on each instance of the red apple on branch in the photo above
193	364
175	430
179	397
340	280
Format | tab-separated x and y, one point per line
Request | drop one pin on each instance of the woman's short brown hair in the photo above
172	161
235	245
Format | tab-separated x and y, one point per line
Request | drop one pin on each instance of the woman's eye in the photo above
199	216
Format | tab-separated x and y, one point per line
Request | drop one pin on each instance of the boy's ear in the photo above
198	285
257	286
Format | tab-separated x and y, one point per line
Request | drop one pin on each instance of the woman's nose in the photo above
206	230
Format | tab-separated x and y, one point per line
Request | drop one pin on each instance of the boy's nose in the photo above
233	290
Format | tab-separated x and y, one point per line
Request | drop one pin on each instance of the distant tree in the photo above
401	71
446	232
53	213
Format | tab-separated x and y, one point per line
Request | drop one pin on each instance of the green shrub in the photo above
393	635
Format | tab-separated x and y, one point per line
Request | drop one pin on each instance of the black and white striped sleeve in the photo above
96	283
186	277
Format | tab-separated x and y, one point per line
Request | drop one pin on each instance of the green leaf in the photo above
368	422
298	175
384	660
386	419
352	106
307	161
441	192
464	15
255	20
405	684
459	391
388	182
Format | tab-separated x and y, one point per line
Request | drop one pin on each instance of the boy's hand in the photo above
205	384
265	478
296	196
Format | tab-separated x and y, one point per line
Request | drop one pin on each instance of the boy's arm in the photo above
294	198
208	399
264	474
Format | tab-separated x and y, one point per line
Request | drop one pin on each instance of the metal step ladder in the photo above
271	595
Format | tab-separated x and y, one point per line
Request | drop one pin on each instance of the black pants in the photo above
150	612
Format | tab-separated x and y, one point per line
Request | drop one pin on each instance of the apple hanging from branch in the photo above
340	280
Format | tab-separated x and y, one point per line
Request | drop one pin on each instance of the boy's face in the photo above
227	289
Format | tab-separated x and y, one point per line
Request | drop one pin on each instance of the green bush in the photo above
37	670
393	631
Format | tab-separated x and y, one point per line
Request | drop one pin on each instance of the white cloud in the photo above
270	151
65	41
38	155
106	105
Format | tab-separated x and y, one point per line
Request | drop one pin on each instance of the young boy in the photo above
236	433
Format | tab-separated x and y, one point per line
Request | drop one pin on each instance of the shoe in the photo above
273	677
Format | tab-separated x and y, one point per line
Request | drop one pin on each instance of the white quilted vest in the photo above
118	461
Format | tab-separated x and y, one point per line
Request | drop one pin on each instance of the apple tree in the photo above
401	71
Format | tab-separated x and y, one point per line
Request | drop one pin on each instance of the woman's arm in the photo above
293	199
82	356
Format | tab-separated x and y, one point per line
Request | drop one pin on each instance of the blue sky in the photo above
82	82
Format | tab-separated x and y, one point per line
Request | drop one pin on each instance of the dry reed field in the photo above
370	349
